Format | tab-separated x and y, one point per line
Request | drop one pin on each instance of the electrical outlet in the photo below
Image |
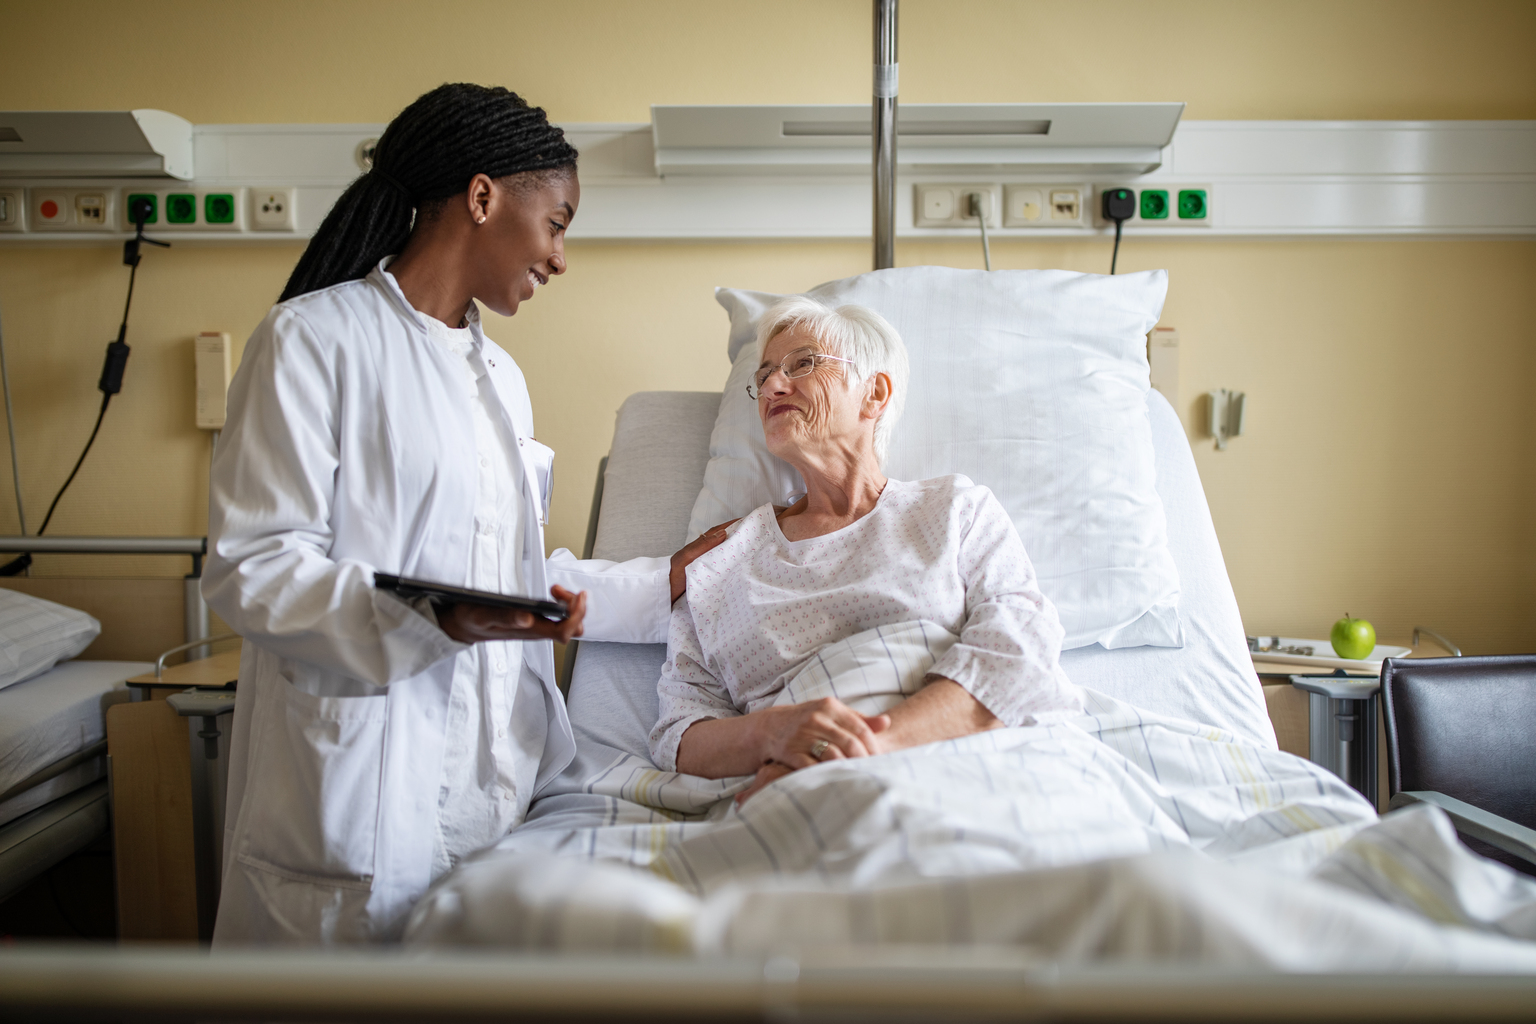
948	206
91	210
1161	206
188	209
219	208
180	208
12	211
272	209
154	208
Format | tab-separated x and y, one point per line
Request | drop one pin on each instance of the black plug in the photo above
1118	205
139	211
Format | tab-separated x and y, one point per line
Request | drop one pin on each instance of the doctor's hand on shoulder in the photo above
470	624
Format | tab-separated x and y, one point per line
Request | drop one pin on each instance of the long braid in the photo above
428	153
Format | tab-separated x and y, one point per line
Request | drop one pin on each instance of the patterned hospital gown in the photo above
758	606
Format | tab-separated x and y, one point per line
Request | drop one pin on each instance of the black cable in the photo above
111	381
1115	256
105	401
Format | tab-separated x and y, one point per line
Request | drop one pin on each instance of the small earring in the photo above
480	219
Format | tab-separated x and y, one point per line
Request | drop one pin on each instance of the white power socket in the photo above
1033	205
272	209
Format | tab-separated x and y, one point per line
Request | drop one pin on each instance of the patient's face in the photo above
814	416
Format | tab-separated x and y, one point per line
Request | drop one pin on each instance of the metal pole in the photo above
887	77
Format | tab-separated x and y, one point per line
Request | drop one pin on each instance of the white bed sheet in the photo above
49	717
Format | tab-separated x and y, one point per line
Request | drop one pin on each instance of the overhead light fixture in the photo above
94	144
1121	138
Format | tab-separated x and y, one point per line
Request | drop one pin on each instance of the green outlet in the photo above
1192	204
1154	204
181	208
154	206
219	208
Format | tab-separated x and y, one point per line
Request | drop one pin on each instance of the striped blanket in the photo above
1114	834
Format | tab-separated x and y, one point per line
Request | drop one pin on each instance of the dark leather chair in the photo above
1461	734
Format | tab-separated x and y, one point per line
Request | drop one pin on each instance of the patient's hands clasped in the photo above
793	736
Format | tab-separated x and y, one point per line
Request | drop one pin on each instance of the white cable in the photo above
10	429
981	218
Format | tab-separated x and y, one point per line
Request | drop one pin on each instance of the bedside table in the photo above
1343	726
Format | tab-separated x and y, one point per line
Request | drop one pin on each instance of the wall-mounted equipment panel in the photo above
1260	179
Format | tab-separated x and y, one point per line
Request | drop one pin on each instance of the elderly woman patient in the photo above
934	562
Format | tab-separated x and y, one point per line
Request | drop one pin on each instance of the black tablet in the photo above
444	594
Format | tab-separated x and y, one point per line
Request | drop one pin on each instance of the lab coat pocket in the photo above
540	460
313	813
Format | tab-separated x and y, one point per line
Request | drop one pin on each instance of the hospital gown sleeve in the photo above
688	692
627	602
1009	653
269	572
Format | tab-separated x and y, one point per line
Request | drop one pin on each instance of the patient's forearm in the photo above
941	710
718	748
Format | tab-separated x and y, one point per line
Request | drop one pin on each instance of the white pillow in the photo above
1033	382
36	635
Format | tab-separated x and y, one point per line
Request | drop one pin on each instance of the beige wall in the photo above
1390	465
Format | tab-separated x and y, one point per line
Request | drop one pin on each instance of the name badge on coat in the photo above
540	459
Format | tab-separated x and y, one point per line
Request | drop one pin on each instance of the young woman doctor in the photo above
373	426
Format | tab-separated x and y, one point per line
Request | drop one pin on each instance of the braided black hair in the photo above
428	153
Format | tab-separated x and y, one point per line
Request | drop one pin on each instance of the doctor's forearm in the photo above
941	710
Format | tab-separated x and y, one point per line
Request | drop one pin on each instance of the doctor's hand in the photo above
693	549
685	555
473	623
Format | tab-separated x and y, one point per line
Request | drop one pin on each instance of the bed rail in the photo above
196	611
915	984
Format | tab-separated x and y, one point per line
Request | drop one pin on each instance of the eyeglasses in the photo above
798	363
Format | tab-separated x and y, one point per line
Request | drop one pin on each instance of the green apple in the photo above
1353	638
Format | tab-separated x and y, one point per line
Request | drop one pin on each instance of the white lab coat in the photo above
350	448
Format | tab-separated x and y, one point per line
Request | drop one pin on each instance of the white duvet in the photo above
1117	834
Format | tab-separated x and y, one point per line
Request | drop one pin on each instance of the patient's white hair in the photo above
853	332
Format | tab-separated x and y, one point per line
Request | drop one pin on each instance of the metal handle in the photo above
1437	638
201	641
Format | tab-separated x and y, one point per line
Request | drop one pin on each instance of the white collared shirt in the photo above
487	778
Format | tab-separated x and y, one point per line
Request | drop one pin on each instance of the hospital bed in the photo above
645	491
54	793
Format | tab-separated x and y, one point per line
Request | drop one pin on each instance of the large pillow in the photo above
1033	382
36	635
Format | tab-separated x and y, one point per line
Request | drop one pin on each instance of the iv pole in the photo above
887	74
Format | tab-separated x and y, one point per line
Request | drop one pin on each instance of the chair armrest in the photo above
1476	822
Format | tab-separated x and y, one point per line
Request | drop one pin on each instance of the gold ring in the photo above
818	748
